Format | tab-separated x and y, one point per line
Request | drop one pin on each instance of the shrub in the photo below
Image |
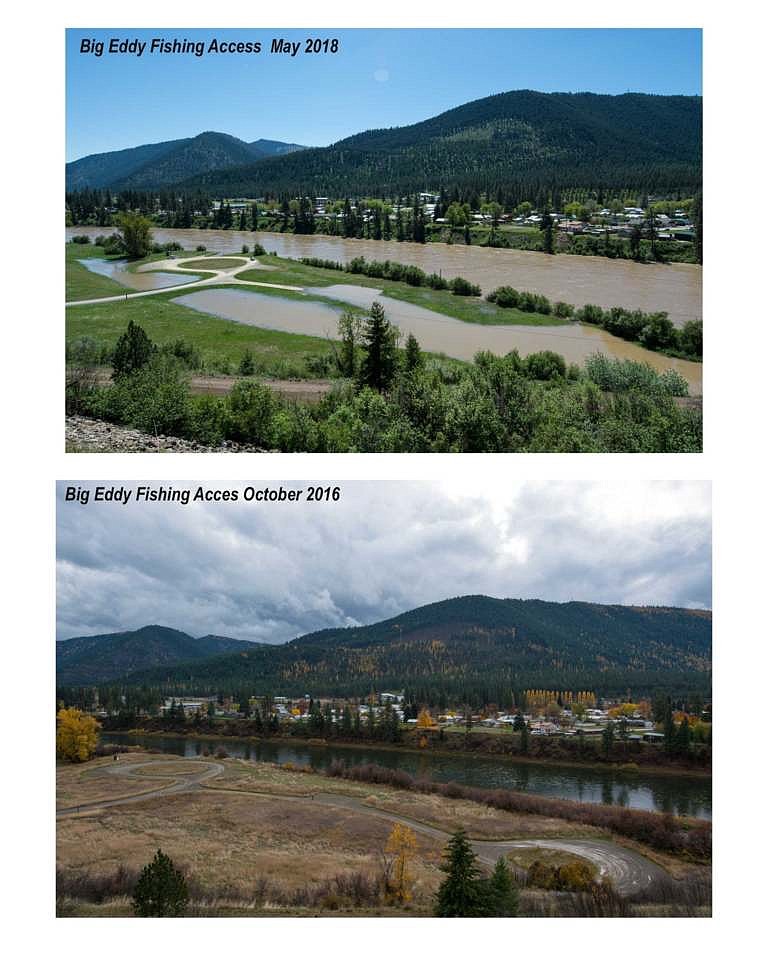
436	282
463	288
563	310
658	332
257	250
247	365
504	297
113	245
207	420
201	248
620	376
81	238
545	365
691	339
154	399
661	831
414	277
590	313
187	353
252	407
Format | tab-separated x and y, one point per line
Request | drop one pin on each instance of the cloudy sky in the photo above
273	572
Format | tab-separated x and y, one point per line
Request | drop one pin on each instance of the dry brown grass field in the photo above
258	839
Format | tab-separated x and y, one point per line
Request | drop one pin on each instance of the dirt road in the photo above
629	872
311	391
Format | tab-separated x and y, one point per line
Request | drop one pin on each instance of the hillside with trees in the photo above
101	658
469	644
512	147
154	165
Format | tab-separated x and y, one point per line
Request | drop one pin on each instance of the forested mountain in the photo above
470	643
99	659
158	164
511	146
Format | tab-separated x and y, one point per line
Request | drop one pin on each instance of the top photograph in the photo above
384	241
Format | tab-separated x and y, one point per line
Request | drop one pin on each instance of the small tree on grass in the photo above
135	231
402	846
161	890
350	331
413	357
461	894
378	366
134	349
502	892
247	365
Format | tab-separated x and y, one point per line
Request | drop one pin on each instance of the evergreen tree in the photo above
461	893
413	357
161	890
378	367
133	350
247	365
608	737
698	235
548	232
503	897
683	738
670	731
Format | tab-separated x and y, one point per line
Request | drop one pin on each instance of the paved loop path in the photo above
179	783
219	276
630	872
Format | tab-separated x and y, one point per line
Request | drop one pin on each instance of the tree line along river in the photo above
668	793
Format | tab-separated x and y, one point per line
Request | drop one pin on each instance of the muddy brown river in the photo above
674	287
435	332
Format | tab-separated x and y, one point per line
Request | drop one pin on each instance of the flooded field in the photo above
115	270
436	333
674	287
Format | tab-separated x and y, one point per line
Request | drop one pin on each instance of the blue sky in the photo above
379	78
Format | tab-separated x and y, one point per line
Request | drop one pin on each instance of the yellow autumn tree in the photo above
401	846
77	734
424	719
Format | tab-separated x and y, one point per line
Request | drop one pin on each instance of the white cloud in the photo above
272	572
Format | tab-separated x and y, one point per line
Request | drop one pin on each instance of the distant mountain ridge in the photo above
463	643
520	141
104	657
156	165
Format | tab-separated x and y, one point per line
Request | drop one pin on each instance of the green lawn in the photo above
221	342
213	263
81	283
468	309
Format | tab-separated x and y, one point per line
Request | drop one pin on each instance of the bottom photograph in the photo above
384	699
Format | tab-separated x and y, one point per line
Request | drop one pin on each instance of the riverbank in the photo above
675	288
626	767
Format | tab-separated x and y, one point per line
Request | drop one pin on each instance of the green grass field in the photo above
80	282
213	263
468	309
221	342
